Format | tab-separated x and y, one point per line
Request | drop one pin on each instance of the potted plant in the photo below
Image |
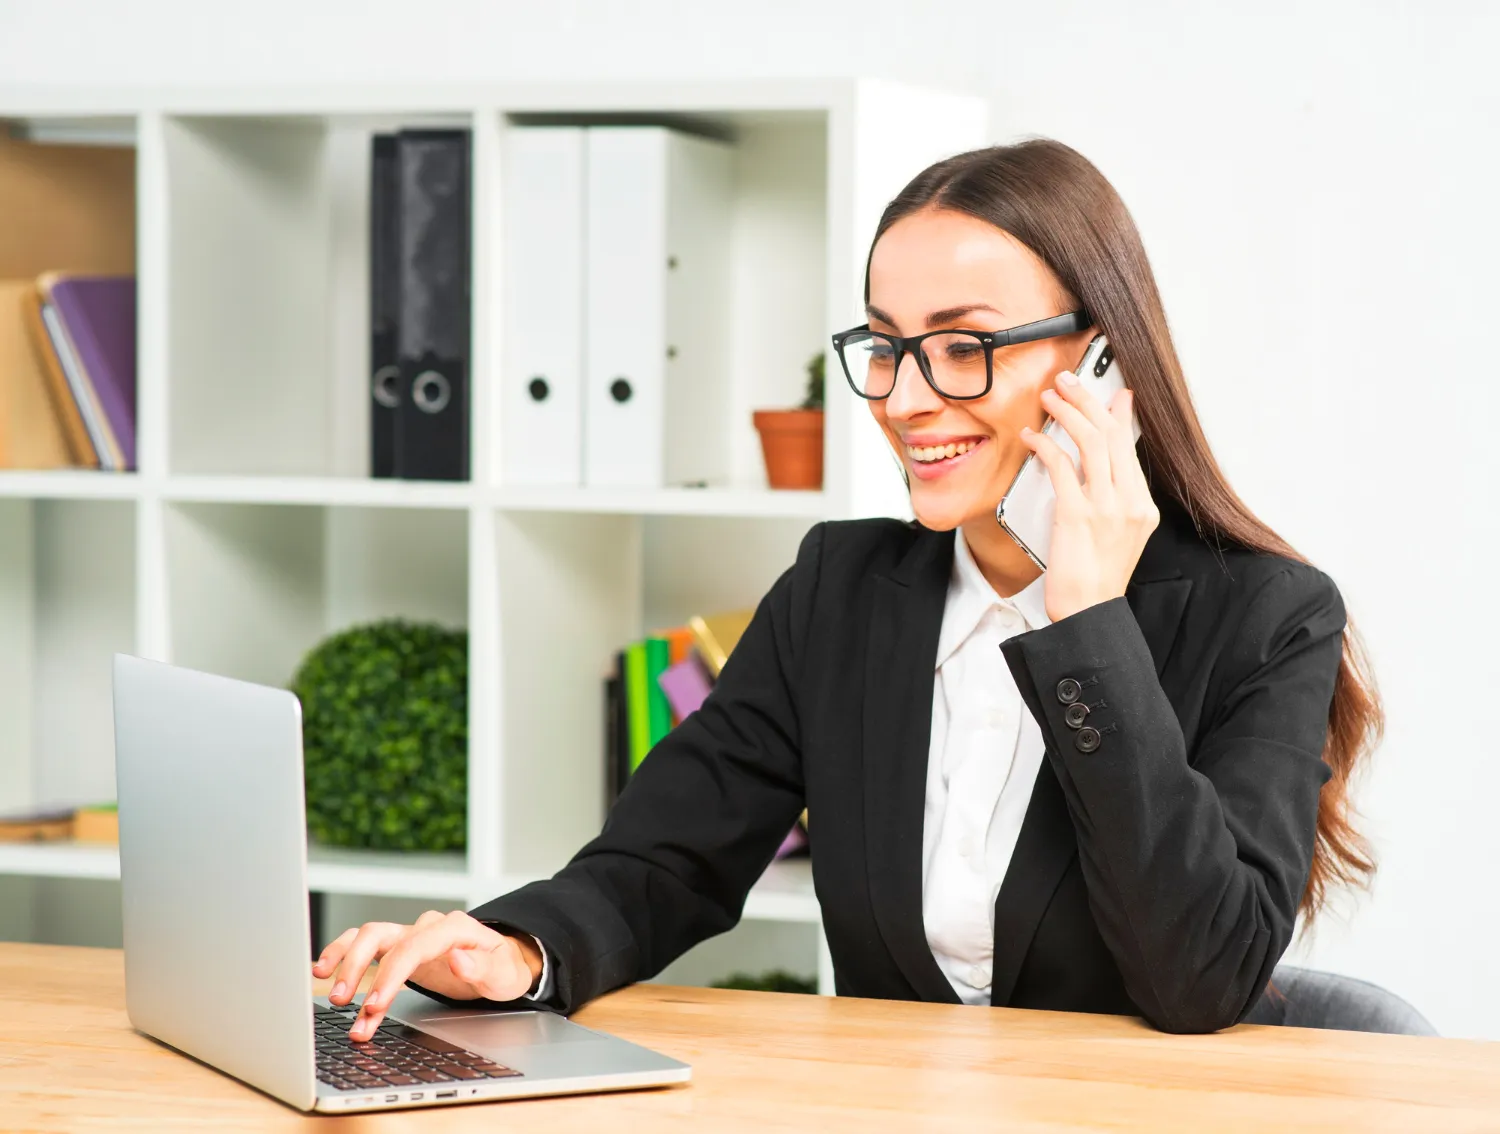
385	737
791	440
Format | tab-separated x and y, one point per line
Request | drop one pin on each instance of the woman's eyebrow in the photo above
952	314
936	318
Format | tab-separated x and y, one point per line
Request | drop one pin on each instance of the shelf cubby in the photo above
254	587
67	606
267	267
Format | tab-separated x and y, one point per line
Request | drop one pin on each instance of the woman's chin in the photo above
940	511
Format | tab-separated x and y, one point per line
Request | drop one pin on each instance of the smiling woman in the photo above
1108	787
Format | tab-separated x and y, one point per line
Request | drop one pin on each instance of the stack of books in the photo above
98	823
67	372
660	680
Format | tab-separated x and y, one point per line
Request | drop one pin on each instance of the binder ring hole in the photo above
538	389
431	393
620	389
386	387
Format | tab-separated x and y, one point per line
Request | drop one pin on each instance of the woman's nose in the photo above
910	394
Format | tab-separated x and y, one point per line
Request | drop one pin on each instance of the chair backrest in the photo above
1307	998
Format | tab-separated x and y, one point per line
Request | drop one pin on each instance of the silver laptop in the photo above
213	872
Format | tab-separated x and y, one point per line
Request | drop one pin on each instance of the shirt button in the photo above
979	976
1075	714
1087	739
1068	690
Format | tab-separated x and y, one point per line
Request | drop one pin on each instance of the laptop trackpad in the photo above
544	1046
490	1030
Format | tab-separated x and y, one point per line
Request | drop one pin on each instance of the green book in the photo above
637	703
658	657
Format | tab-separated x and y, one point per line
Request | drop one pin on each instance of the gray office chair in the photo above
1306	998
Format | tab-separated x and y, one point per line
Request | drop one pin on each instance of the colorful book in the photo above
67	412
31	429
658	651
36	826
795	840
97	314
637	703
716	636
682	640
686	686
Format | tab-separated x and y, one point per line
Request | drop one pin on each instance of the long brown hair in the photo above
1055	202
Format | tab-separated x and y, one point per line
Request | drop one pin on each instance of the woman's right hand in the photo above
449	953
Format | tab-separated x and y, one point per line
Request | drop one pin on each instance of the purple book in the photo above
686	686
99	315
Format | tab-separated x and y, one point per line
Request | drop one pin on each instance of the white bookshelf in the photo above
252	529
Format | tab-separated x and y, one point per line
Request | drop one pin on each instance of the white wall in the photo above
1314	181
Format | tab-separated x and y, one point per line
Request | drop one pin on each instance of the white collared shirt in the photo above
986	751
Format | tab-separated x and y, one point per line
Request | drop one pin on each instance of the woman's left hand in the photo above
1102	524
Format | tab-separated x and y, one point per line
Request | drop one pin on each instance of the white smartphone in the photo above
1029	506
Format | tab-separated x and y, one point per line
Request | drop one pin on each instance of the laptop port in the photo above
417	1096
392	1098
446	1095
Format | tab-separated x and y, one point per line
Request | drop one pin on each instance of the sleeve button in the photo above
1068	690
1075	714
1087	739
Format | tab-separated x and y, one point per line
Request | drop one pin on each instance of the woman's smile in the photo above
930	457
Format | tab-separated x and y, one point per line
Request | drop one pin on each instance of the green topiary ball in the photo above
385	733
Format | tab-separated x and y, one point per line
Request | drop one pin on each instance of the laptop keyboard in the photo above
397	1055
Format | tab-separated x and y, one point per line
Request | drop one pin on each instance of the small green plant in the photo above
385	736
778	980
814	396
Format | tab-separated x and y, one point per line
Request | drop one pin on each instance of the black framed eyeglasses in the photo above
959	365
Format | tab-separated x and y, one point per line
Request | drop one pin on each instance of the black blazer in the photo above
1156	875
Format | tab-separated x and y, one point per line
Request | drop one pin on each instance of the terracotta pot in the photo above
792	443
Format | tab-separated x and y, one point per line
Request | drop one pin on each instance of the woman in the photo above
1140	839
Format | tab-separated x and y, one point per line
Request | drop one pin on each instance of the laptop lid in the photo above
213	872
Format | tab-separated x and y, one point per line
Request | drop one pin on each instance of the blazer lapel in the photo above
906	619
1044	850
1047	845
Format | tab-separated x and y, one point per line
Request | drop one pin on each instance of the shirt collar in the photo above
970	597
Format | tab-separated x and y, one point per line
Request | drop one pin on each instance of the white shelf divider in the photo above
784	892
349	492
69	484
748	502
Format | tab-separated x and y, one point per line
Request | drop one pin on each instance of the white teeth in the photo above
926	453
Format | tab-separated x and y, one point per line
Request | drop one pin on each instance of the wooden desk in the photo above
69	1060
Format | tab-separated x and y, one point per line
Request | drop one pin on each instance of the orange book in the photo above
64	405
680	643
33	433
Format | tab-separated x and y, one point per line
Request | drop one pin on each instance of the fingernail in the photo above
338	990
1025	431
372	997
1068	378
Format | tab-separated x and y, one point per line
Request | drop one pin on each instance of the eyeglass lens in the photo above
957	363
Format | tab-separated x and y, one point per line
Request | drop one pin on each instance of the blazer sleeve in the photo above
695	827
1194	862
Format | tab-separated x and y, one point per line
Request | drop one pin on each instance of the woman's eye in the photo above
964	350
881	354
